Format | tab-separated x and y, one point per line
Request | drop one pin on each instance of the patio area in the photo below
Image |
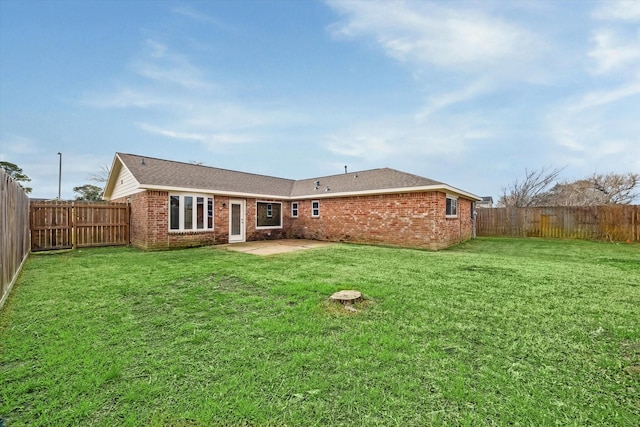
274	247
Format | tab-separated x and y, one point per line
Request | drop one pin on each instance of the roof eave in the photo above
320	195
212	191
422	189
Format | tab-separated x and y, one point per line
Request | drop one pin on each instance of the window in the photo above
268	215
315	208
452	207
200	213
190	212
174	212
294	209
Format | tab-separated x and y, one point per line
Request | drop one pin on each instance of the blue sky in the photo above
471	93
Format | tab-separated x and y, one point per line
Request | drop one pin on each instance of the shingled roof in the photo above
367	181
158	173
153	173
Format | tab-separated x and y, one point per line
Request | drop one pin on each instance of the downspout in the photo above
474	214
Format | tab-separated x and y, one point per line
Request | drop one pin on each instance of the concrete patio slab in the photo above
273	247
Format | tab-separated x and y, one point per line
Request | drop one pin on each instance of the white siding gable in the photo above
125	185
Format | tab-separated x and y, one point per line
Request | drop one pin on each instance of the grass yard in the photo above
491	332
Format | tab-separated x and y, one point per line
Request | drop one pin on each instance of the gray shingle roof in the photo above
158	173
171	174
363	181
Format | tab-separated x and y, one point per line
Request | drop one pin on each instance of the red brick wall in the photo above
221	219
253	233
410	220
150	224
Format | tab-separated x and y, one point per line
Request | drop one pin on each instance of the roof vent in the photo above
345	169
355	176
142	162
327	189
317	183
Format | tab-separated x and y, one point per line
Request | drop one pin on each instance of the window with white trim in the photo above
315	208
452	207
294	209
268	215
190	212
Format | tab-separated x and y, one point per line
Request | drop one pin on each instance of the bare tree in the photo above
532	190
576	193
595	190
615	188
102	175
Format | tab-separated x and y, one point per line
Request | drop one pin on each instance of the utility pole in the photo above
59	176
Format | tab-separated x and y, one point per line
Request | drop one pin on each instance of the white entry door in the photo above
236	221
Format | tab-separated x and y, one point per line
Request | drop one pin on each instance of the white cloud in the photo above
604	97
170	133
624	10
192	14
424	33
162	65
404	138
615	50
18	144
177	91
599	129
123	98
211	140
199	17
442	101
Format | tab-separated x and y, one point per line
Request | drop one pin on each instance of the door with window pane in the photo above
236	221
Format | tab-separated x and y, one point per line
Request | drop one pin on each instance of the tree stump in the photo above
346	297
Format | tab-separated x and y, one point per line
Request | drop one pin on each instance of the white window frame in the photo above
315	212
294	210
269	204
453	204
194	214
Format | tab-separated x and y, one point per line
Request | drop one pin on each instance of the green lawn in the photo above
491	332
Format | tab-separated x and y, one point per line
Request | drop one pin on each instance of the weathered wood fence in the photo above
64	225
14	232
618	223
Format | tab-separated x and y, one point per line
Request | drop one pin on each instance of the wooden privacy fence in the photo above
63	225
14	232
618	223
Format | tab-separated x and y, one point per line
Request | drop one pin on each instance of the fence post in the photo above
72	222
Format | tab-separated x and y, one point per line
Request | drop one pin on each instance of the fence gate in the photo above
64	225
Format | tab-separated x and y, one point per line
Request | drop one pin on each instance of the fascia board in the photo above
212	191
320	195
442	188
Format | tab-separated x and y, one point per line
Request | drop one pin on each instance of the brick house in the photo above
177	204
